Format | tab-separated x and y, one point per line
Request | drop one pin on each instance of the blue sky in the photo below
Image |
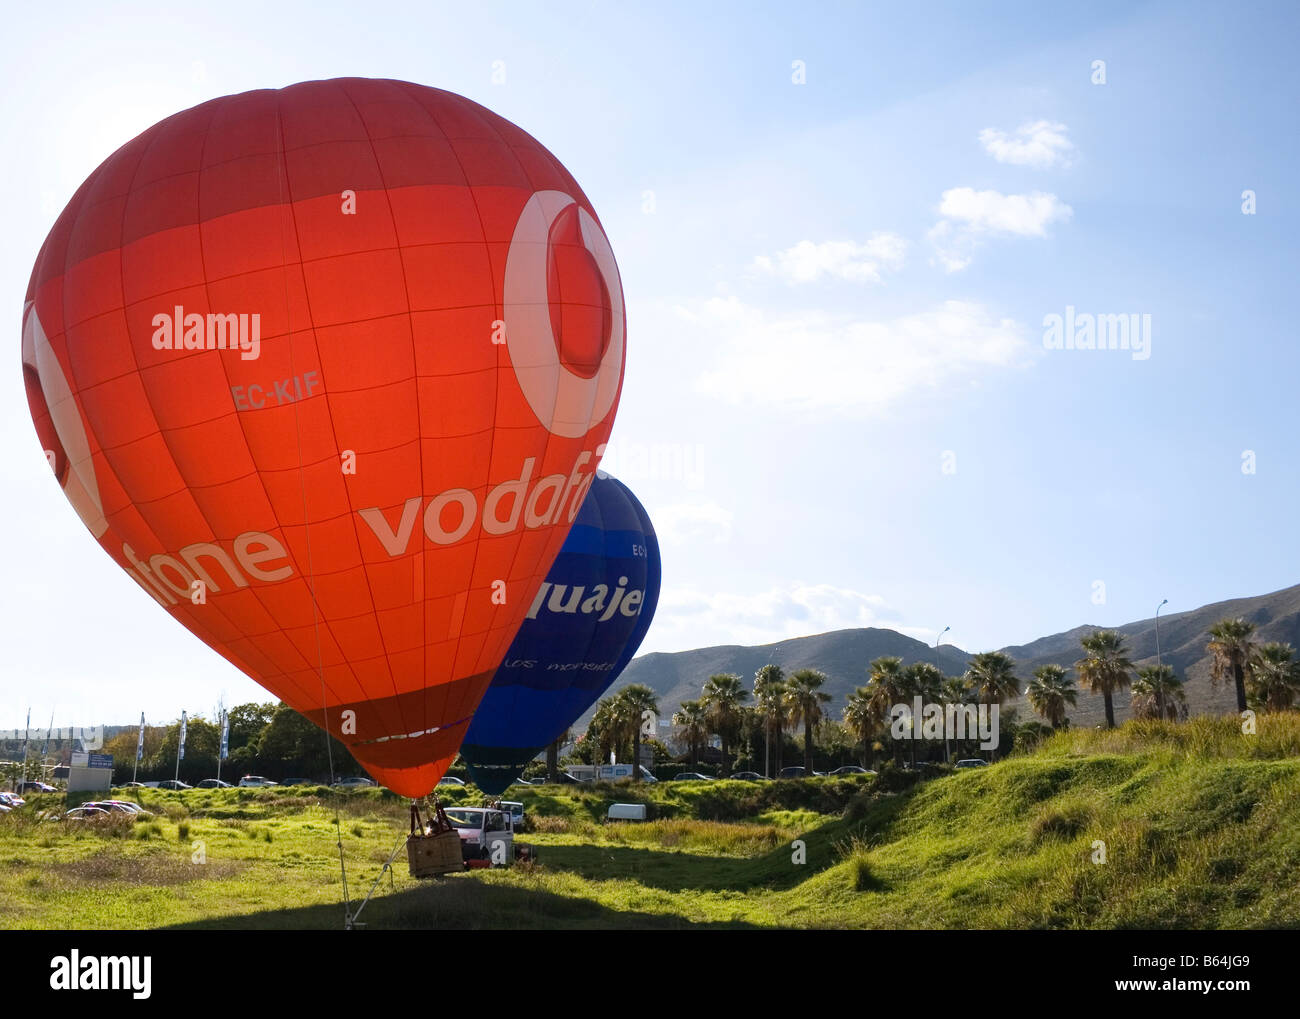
835	290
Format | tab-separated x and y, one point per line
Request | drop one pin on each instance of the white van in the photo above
485	833
516	811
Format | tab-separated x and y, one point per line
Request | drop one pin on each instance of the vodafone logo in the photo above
570	381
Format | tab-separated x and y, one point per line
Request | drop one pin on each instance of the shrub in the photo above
1064	824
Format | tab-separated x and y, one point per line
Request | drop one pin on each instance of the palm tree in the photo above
1275	677
636	700
953	690
1106	668
886	686
605	728
769	692
553	756
992	676
924	680
1158	693
723	695
1049	692
693	717
806	699
861	719
1231	646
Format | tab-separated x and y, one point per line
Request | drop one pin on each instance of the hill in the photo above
841	654
844	654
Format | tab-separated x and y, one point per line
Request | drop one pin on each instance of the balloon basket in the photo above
433	848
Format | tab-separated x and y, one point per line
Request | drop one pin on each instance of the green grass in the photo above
1201	827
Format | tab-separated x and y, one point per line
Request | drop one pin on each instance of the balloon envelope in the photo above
327	370
583	627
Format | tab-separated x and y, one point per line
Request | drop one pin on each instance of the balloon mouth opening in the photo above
433	730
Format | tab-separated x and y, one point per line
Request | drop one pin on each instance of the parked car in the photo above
972	762
111	806
358	783
748	776
254	782
85	814
215	783
296	781
134	785
691	776
793	771
35	787
133	808
11	800
564	778
173	783
852	769
451	780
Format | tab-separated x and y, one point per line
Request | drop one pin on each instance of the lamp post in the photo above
946	756
1158	608
1160	695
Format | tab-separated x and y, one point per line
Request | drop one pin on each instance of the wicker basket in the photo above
430	855
435	850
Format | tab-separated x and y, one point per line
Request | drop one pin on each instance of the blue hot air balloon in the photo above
583	627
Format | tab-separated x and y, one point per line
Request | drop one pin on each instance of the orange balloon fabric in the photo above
328	371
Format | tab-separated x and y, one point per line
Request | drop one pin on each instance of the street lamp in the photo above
946	756
1158	608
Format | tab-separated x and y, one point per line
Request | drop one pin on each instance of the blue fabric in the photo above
577	639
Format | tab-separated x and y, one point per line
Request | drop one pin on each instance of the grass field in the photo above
1201	827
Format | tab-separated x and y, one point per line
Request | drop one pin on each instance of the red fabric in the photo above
376	337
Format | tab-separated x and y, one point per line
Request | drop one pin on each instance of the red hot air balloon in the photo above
328	371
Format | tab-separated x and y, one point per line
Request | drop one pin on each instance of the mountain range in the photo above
844	656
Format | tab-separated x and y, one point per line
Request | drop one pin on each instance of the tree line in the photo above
1264	677
265	739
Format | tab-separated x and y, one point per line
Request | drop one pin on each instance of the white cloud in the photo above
993	212
796	610
1039	143
952	249
820	362
680	523
807	261
971	215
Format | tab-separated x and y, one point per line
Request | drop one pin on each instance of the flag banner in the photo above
181	753
225	735
139	741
